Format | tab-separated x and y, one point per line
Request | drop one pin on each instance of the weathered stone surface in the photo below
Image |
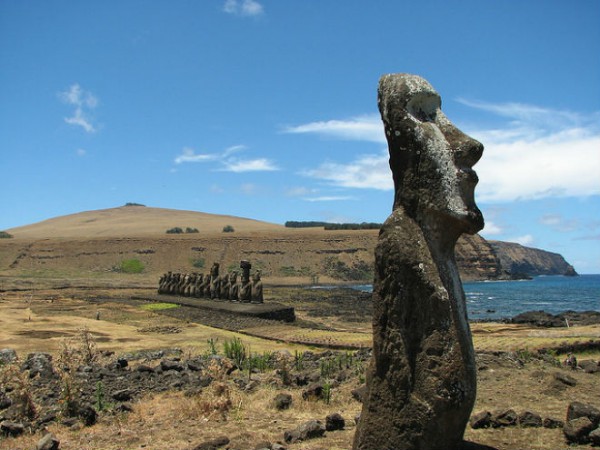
550	422
529	419
48	442
594	437
577	430
334	422
283	401
504	418
578	409
213	444
313	391
9	428
482	419
589	366
565	379
7	355
422	380
309	430
39	364
122	395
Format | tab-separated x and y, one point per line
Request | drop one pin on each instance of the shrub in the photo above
131	266
235	350
199	263
191	230
228	229
175	230
133	204
5	235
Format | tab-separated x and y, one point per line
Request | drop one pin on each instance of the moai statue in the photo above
182	284
189	283
205	287
224	287
234	287
173	283
245	293
162	283
198	287
215	281
421	382
257	288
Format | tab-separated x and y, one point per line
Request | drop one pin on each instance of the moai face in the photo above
430	158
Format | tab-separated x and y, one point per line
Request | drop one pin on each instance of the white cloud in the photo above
331	198
526	239
538	153
84	102
558	223
366	172
227	162
362	128
561	164
189	155
81	152
491	229
243	8
250	165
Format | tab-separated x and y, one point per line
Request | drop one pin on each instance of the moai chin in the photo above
421	382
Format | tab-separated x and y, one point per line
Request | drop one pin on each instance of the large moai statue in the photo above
215	281
245	291
257	288
421	383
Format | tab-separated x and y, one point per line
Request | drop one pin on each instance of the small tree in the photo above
5	235
228	229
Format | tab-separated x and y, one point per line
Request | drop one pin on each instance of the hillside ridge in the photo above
93	243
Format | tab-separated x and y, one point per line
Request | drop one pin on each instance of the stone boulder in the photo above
577	431
308	430
213	444
529	419
7	356
334	422
504	418
282	401
39	364
48	442
578	409
14	429
482	419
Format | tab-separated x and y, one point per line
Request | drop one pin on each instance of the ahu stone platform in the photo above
269	311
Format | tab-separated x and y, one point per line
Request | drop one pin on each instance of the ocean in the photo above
493	300
553	294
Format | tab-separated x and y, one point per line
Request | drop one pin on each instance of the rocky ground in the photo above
89	394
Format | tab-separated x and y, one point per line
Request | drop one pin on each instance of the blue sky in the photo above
267	108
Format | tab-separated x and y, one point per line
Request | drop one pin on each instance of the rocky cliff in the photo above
515	259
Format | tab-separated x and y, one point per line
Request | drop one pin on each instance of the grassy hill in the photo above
135	221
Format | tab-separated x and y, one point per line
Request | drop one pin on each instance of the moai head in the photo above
214	271
431	159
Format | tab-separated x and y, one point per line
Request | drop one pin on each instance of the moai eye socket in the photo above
423	106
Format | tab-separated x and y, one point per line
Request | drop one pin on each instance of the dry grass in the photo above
42	321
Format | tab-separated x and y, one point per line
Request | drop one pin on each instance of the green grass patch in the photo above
131	266
158	306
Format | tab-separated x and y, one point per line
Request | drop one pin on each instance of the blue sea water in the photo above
491	300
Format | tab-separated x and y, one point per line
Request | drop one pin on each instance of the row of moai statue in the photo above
214	286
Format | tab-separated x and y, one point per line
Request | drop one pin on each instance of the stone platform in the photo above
270	311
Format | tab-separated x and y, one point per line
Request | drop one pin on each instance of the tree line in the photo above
334	226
